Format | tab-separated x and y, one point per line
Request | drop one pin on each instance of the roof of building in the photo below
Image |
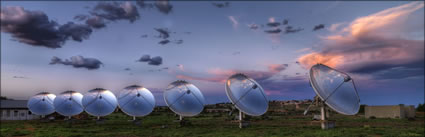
13	103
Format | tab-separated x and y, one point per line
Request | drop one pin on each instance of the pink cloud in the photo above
221	75
235	22
372	43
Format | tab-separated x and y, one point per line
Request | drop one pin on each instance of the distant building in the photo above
390	111
15	110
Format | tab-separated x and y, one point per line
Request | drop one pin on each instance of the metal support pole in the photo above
240	116
323	112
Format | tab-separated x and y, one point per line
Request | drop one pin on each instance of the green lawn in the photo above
163	124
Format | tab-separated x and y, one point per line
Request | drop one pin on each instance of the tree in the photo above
421	108
3	98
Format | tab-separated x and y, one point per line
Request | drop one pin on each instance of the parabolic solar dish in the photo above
136	101
184	98
99	102
69	103
42	103
335	88
247	95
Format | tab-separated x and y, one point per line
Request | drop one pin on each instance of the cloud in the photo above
253	26
163	6
377	45
20	77
144	36
35	28
273	24
271	19
163	42
335	27
96	22
155	61
290	29
180	66
80	17
287	85
163	33
143	5
127	69
220	75
178	41
78	62
114	11
151	61
144	58
221	5
318	27
304	50
270	80
285	22
235	22
77	32
273	31
277	67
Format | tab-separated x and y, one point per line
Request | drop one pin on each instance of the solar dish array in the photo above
335	88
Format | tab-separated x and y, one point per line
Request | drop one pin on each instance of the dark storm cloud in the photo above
96	22
78	62
285	22
155	61
163	42
151	61
273	24
273	31
127	69
163	6
77	32
318	27
26	26
142	4
144	58
290	29
144	36
221	5
164	33
114	11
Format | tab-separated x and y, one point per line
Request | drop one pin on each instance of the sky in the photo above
75	45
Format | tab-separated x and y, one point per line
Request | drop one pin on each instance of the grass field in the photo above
164	124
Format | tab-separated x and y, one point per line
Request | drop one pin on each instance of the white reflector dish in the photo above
136	101
335	88
184	98
69	103
42	103
99	102
247	95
